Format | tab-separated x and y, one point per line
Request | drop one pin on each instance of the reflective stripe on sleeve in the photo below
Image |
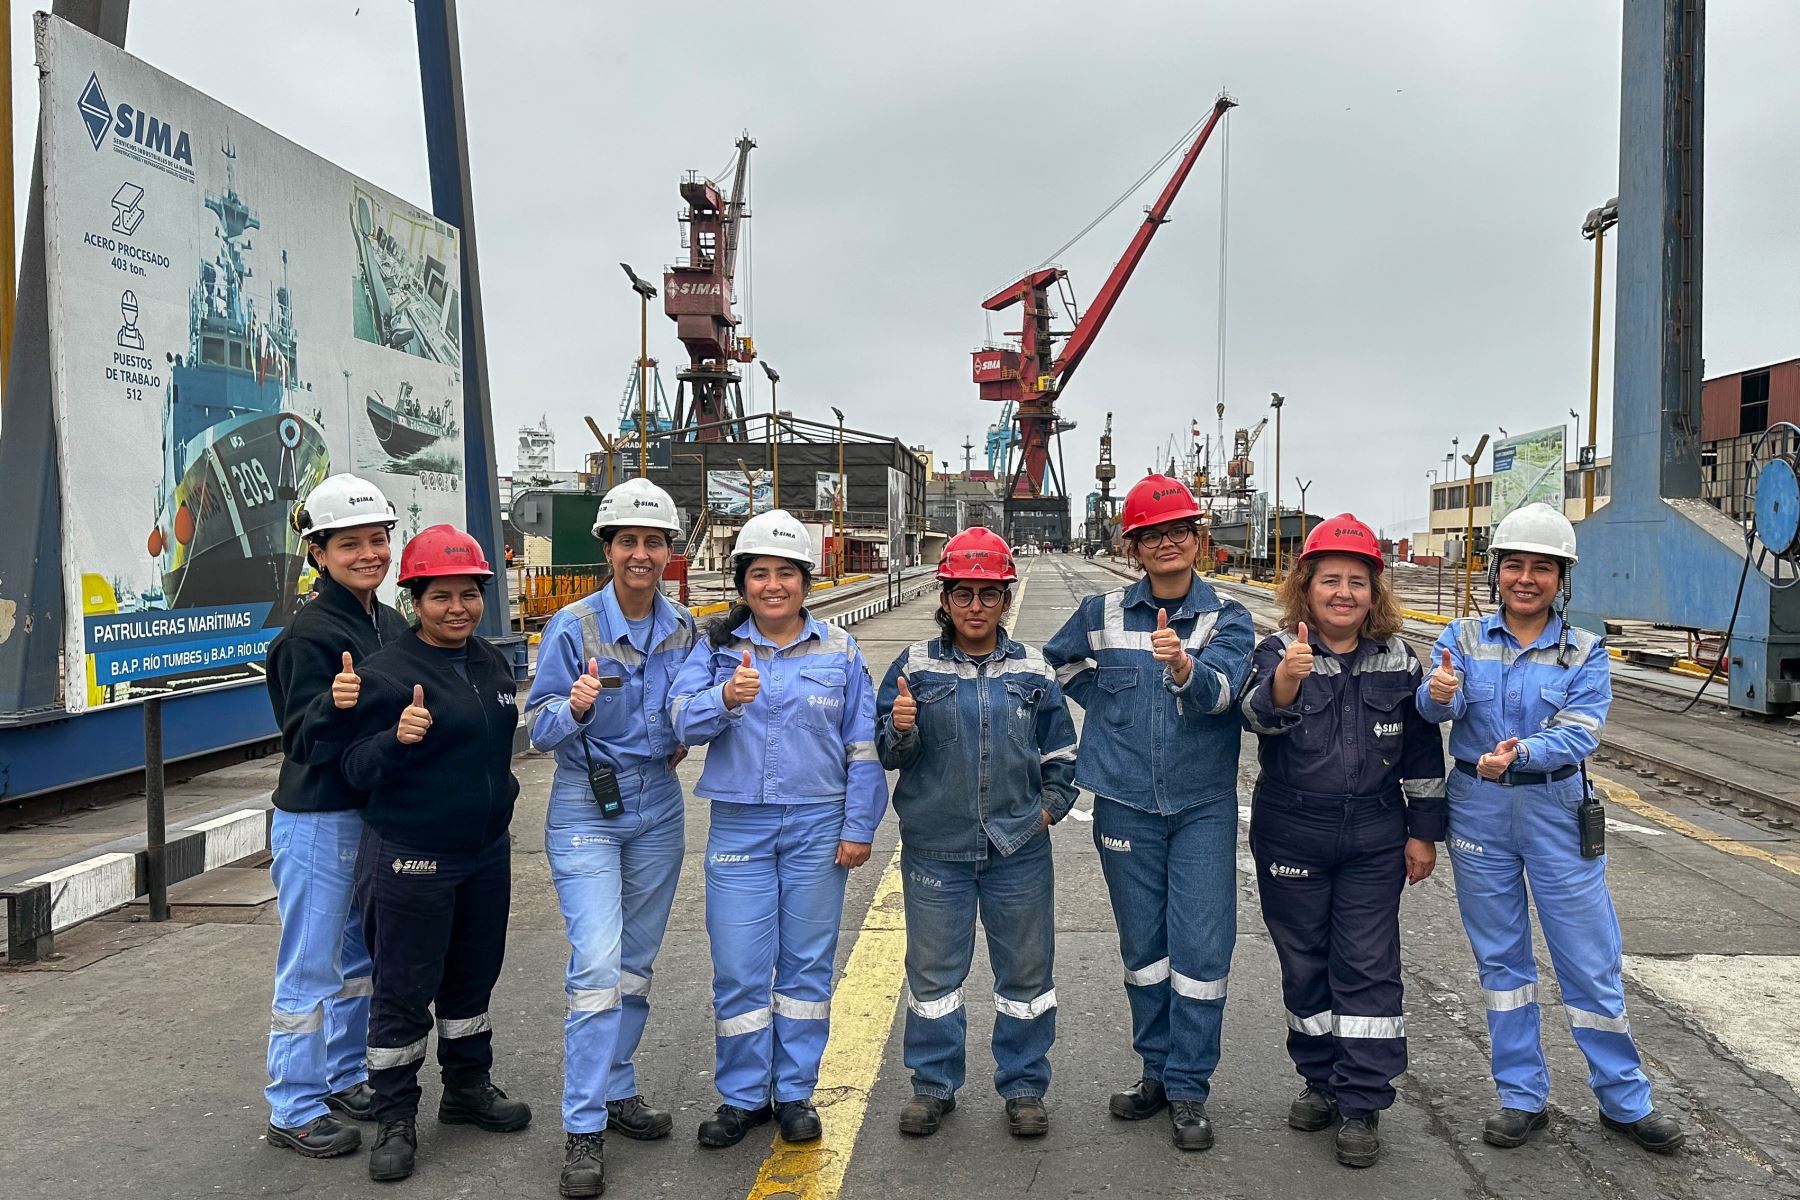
1224	701
1070	670
860	752
1422	789
931	1010
1066	754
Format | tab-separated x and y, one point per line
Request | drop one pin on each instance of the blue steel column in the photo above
453	200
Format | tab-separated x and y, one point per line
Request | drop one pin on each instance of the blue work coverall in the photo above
1350	771
1521	830
1162	763
614	876
991	752
789	775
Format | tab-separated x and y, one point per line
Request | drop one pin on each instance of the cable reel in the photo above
1772	504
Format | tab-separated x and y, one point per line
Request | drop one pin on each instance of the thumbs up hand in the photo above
346	685
415	719
1498	762
1443	682
906	709
744	684
585	690
1166	648
1297	663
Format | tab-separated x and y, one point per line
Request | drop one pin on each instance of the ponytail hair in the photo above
723	628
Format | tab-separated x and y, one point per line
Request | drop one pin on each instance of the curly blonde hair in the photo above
1384	619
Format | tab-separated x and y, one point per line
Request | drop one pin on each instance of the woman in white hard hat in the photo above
796	790
319	1022
614	835
1527	695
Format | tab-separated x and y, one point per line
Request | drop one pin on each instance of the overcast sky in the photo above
1407	183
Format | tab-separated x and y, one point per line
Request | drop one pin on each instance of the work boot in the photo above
1657	1132
799	1121
730	1123
484	1106
1312	1110
396	1145
1510	1127
584	1165
922	1114
1027	1117
356	1102
1358	1145
1145	1098
1193	1129
635	1119
322	1137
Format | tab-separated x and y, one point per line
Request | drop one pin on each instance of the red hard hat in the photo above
1156	499
1343	534
442	550
977	554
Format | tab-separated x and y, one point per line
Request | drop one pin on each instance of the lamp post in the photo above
839	505
1276	400
774	432
1469	531
1577	417
646	293
1303	487
1594	228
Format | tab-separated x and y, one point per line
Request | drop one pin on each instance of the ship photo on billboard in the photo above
406	293
241	438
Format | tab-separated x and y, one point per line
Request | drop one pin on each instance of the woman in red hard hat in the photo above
976	725
1157	666
1348	809
434	876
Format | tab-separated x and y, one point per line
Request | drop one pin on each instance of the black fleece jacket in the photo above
452	791
303	660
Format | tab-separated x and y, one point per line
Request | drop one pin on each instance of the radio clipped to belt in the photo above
1591	819
603	784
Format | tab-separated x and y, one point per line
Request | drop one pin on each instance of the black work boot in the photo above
1145	1098
584	1166
1027	1117
922	1114
799	1121
356	1102
1312	1110
396	1145
1511	1127
730	1123
1193	1128
1657	1132
635	1119
322	1137
484	1106
1358	1145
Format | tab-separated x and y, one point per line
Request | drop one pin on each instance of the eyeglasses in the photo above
1176	535
989	597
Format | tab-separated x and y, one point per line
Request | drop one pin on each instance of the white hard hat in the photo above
775	533
639	503
343	502
1535	529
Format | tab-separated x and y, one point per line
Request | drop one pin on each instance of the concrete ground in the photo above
134	1063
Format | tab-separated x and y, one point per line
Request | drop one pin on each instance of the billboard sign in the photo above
896	513
1528	469
728	493
825	491
232	319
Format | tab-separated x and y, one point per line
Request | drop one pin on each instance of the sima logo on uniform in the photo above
133	124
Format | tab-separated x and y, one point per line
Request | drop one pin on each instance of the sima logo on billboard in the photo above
131	123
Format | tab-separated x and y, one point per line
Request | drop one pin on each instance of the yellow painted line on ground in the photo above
1624	797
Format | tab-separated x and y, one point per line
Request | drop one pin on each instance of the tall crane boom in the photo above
698	296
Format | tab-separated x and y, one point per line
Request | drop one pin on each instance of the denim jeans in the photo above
1014	895
1173	884
319	1021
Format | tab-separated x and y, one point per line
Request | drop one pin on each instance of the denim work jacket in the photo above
1147	743
992	749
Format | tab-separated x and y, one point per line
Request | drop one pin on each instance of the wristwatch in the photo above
1524	758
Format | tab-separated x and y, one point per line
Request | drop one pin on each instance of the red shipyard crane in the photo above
698	296
1031	374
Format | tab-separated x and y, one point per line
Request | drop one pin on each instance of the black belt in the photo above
1282	791
1519	778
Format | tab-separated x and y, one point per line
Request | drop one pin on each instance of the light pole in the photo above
1469	531
1594	228
750	478
774	432
1303	487
1577	417
646	293
1276	400
838	505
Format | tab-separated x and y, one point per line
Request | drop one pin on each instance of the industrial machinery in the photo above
1658	552
1104	512
698	295
659	419
1002	436
1031	374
